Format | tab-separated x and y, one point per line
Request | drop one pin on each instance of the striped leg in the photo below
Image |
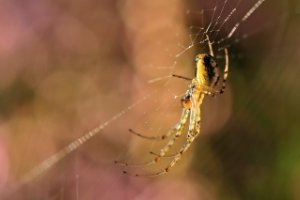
177	157
192	135
179	129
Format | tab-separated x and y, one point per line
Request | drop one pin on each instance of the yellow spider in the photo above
204	83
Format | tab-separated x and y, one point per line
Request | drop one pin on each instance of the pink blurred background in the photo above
66	67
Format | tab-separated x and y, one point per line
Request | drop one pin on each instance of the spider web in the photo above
155	97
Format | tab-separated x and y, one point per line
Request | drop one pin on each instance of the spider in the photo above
204	83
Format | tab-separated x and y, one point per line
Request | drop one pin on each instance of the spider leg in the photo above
177	157
209	91
160	137
167	147
211	51
194	131
165	156
195	116
225	75
179	129
172	131
182	77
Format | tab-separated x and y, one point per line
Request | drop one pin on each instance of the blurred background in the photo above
67	67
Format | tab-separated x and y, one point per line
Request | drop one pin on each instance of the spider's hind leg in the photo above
179	130
177	157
